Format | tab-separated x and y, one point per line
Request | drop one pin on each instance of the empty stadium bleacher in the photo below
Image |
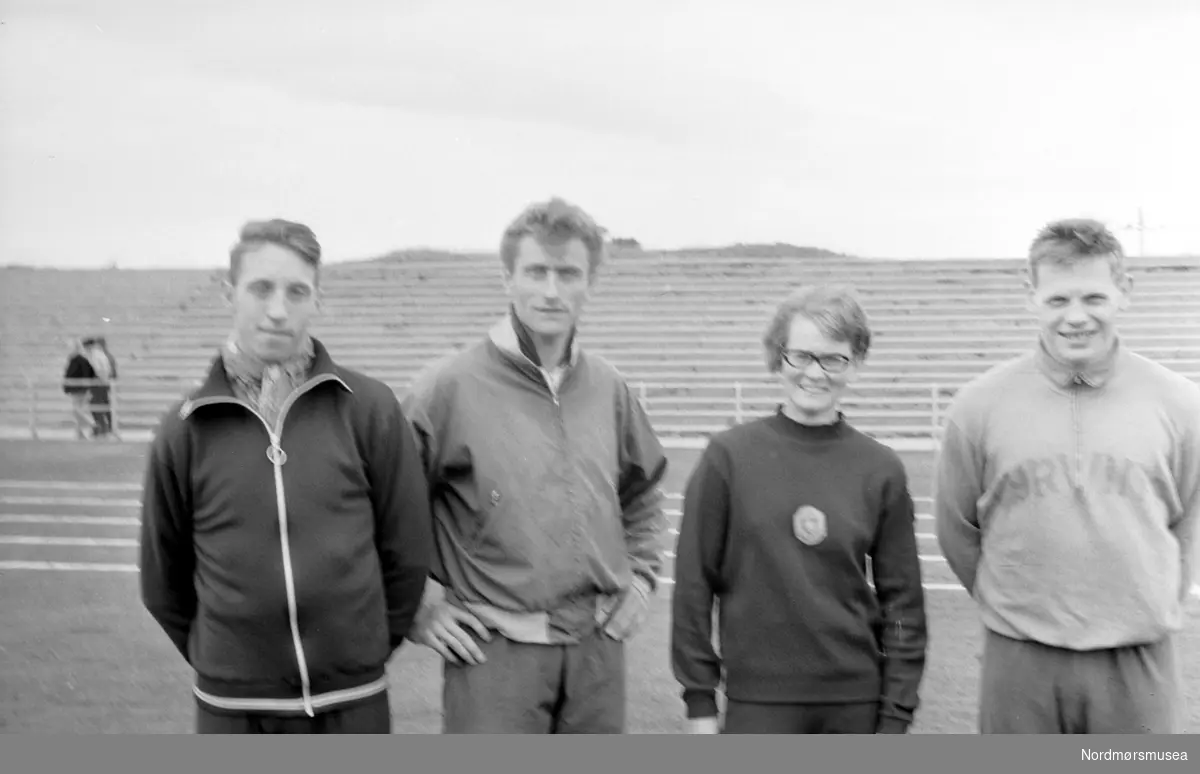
685	329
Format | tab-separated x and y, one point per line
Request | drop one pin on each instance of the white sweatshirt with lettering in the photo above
1068	503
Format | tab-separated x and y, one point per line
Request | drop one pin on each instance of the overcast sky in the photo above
146	131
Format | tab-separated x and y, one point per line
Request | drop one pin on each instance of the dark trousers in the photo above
1030	688
101	397
754	718
369	716
526	688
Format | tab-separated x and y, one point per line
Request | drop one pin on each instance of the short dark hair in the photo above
555	220
1071	240
834	309
296	237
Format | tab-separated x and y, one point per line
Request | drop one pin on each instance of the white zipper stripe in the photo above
320	701
278	458
289	578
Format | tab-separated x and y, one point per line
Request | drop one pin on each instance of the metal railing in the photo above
82	411
937	398
740	407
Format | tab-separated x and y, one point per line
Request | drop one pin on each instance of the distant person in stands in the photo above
286	532
781	517
544	472
1068	499
76	378
104	368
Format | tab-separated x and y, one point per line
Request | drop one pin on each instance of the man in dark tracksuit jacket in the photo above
286	533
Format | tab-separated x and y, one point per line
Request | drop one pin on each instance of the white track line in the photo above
98	486
89	542
130	521
134	486
132	568
50	518
69	566
104	502
95	502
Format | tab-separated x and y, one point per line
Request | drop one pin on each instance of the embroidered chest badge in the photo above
809	525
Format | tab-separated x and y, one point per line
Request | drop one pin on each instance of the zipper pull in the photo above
276	454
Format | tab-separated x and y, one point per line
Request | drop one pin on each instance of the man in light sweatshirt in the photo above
1067	501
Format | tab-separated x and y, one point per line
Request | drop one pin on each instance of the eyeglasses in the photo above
830	364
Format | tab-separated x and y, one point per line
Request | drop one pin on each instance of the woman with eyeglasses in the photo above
780	518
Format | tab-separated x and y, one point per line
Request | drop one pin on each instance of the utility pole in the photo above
1141	228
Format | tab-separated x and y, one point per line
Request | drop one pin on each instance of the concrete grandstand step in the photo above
750	276
649	316
707	329
379	310
868	391
432	345
600	328
722	293
607	327
934	304
927	372
149	417
883	351
750	352
489	274
686	258
753	362
172	369
753	286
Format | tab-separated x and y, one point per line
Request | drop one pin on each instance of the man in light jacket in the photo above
544	474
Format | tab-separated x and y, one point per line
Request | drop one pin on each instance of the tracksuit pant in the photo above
525	688
754	718
1031	688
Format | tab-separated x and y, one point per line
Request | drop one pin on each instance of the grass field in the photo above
78	654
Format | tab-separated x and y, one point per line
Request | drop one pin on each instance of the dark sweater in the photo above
78	368
799	623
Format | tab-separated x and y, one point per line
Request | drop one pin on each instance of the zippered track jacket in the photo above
545	490
286	563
